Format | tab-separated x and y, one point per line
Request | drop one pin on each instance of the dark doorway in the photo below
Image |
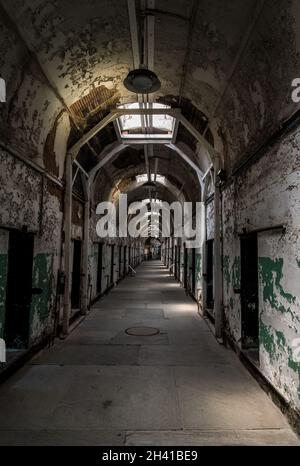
112	265
209	274
19	290
185	267
120	262
99	268
76	275
176	262
129	255
249	291
125	260
193	282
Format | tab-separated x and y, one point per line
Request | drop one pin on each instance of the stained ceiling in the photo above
227	65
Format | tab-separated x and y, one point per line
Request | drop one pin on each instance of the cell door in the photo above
176	262
249	291
76	275
120	262
99	268
19	290
193	271
179	262
125	260
209	274
112	264
185	267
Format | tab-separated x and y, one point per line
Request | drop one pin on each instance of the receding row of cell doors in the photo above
117	270
248	290
248	286
20	272
19	286
100	267
189	271
104	282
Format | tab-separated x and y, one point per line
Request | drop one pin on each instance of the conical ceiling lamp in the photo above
142	81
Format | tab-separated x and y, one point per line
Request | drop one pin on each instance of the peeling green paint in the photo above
236	272
266	338
295	366
3	278
226	272
271	274
232	275
42	278
198	268
281	339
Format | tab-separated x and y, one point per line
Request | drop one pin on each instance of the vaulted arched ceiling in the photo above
227	65
130	163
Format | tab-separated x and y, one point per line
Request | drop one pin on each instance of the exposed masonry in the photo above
63	73
256	200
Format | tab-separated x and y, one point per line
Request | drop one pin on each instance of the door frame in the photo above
112	264
99	268
9	319
185	267
209	274
77	289
125	260
193	281
120	263
246	268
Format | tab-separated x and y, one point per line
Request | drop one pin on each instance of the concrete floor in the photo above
104	387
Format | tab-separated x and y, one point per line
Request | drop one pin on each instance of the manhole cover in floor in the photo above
142	331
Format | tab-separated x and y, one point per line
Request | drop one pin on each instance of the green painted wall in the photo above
42	277
232	273
198	261
277	302
271	275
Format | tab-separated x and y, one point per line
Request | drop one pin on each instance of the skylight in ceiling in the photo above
146	126
144	177
155	201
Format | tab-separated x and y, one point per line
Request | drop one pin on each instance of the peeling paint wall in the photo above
29	200
265	195
210	227
62	66
91	46
42	306
198	274
93	269
32	105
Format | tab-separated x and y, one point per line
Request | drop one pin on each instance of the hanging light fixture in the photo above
142	81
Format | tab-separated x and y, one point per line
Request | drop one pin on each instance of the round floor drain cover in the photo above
142	331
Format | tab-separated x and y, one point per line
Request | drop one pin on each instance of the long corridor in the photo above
103	386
